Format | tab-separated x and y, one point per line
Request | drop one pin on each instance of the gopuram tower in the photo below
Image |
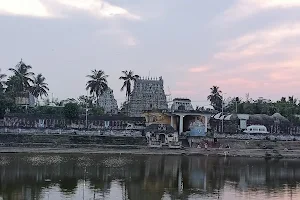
147	94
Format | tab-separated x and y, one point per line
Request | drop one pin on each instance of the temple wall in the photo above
55	122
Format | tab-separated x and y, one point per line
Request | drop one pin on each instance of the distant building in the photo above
147	94
25	99
263	100
108	102
182	104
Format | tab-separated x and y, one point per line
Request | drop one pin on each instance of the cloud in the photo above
122	36
198	69
260	43
98	8
246	8
38	8
130	41
20	7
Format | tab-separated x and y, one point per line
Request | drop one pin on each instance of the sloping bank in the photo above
258	153
41	143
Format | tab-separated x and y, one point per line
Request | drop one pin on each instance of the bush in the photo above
71	111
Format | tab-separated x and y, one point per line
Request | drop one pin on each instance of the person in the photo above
205	146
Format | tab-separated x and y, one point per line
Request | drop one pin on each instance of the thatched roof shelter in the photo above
261	119
281	119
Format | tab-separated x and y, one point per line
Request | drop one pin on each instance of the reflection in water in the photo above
40	176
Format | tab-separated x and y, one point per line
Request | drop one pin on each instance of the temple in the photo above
147	94
182	118
108	102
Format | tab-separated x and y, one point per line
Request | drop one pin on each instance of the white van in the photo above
256	129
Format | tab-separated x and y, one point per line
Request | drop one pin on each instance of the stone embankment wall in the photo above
243	144
281	137
259	144
66	140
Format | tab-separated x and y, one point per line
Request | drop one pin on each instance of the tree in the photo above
215	98
2	82
14	85
39	88
22	77
97	111
86	101
283	100
292	100
71	111
233	105
97	84
128	78
5	103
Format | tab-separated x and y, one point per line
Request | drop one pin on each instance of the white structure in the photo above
256	129
242	118
181	104
108	102
179	116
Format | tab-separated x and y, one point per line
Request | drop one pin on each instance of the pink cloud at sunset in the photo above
198	69
239	45
242	9
259	43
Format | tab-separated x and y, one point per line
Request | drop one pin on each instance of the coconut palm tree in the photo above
23	77
292	100
2	82
128	78
39	87
97	83
215	98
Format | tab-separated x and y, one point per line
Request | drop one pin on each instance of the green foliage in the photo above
48	110
39	87
97	83
86	101
6	103
21	79
97	111
215	98
128	77
287	107
71	111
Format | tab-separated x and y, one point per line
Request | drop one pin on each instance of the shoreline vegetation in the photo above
141	150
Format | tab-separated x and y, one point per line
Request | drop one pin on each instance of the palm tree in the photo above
2	82
215	98
292	100
97	83
39	88
128	78
23	77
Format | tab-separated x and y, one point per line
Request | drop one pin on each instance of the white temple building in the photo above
108	102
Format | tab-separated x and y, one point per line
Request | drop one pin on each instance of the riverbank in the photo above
256	153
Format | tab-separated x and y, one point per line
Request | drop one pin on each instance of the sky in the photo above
242	46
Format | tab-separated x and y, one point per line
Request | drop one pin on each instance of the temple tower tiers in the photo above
147	94
108	102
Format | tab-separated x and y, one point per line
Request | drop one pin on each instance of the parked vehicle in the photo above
256	129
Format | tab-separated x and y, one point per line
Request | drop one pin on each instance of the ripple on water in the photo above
4	160
43	160
115	161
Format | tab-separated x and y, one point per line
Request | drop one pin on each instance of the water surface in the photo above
55	177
